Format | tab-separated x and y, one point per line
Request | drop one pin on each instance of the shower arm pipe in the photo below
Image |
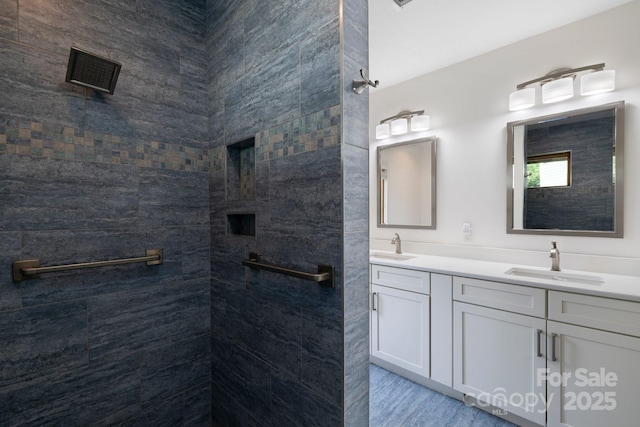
30	268
324	277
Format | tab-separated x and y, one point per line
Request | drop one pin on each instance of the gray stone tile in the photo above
320	69
242	377
251	106
357	415
173	198
228	252
197	406
275	26
356	267
8	19
355	107
227	412
184	17
30	83
222	14
10	294
167	414
296	405
58	194
42	340
196	245
304	191
356	31
227	308
226	61
124	322
175	368
356	189
356	358
269	330
322	356
103	394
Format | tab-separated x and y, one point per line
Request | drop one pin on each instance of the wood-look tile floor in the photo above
395	401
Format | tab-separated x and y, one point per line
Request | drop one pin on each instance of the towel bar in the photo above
30	268
325	275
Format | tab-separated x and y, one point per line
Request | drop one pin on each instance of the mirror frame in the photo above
617	231
432	140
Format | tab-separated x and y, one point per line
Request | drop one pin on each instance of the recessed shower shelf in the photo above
242	224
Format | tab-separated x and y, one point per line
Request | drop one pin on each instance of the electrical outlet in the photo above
466	232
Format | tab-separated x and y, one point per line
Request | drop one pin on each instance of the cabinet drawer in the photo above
503	296
401	278
603	313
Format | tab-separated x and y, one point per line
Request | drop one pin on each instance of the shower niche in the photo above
241	185
241	170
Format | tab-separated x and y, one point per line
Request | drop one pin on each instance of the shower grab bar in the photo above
30	268
325	275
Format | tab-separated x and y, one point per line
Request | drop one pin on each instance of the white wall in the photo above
468	104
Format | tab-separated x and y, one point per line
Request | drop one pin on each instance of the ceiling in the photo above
426	35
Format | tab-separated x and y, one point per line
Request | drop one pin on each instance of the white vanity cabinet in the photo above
593	376
533	355
400	317
498	353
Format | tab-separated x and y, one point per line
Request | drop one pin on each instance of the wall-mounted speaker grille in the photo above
87	69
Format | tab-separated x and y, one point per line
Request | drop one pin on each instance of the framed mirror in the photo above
407	184
565	173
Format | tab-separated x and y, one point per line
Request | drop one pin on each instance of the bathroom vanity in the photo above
538	348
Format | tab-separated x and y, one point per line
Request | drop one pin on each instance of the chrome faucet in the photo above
396	241
554	254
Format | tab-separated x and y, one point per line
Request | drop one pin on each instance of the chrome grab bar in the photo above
325	275
30	268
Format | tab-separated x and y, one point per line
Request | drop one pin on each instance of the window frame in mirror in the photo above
618	214
432	141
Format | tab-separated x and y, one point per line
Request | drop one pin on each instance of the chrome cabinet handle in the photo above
540	331
373	301
553	347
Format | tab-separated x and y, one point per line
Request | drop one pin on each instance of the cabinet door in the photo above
594	379
400	328
496	358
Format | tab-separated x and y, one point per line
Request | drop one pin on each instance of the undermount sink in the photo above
388	255
559	276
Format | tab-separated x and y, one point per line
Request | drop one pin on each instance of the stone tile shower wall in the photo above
87	177
281	346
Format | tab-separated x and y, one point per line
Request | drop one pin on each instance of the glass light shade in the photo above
383	131
420	122
557	90
598	82
523	98
398	126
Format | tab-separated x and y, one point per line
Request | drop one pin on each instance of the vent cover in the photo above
401	2
87	69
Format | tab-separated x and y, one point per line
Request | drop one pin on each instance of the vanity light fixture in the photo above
401	123
557	90
558	85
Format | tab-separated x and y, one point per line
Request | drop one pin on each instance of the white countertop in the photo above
613	286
